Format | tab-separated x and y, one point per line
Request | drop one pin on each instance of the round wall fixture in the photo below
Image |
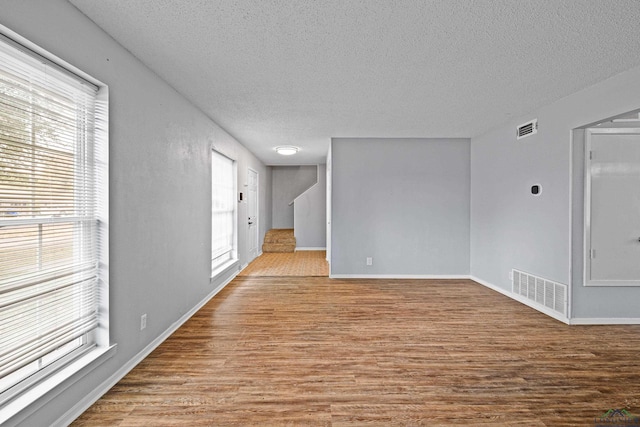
287	150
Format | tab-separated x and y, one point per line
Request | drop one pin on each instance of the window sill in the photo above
30	401
223	267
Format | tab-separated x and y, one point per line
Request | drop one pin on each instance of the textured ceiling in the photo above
294	72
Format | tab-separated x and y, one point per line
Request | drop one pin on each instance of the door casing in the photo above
593	151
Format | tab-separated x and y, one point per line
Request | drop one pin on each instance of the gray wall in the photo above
160	218
310	214
403	202
510	228
288	182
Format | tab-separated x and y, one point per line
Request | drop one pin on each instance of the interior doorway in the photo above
612	207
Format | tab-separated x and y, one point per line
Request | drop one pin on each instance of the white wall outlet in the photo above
143	322
369	260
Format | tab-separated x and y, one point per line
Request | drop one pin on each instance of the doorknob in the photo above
250	223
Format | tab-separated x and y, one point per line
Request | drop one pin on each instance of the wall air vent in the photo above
527	129
541	292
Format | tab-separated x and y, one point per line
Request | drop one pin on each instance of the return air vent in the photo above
527	129
541	292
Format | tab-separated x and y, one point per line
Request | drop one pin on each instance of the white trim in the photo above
542	309
572	184
291	203
319	248
317	165
84	404
257	220
218	268
605	321
36	397
222	268
586	210
399	276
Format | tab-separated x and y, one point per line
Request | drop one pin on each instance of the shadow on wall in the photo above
288	182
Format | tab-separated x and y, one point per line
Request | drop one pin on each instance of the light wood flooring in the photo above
314	351
301	263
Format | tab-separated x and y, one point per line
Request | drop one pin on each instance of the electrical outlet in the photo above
369	260
143	322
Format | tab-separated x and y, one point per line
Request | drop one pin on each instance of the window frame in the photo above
222	264
24	398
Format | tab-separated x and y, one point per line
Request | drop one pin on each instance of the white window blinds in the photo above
48	271
222	209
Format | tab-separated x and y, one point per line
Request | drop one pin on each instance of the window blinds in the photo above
48	272
222	209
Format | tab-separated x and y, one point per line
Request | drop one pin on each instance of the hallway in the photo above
300	263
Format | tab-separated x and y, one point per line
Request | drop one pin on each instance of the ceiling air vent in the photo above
527	129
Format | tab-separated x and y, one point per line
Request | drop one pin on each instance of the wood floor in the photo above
314	351
301	263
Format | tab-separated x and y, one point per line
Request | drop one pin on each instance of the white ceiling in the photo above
298	72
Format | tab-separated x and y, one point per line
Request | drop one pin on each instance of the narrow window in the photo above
223	212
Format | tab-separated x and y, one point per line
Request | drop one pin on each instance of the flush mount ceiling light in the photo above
287	150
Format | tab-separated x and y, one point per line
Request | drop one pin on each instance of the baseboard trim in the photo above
605	321
84	404
520	299
15	411
399	276
311	248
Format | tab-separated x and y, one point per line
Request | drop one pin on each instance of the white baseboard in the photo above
522	300
84	404
398	276
544	310
311	249
605	321
17	410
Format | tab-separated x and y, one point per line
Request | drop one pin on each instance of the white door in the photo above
252	213
612	207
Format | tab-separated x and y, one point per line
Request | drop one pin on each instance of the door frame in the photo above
587	206
256	234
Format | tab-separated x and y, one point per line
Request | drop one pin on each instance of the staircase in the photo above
279	240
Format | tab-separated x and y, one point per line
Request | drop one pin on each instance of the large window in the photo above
50	210
223	212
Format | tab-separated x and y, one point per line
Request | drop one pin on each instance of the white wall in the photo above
510	228
310	214
160	205
288	182
403	202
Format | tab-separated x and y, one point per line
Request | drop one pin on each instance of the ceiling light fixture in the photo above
287	150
